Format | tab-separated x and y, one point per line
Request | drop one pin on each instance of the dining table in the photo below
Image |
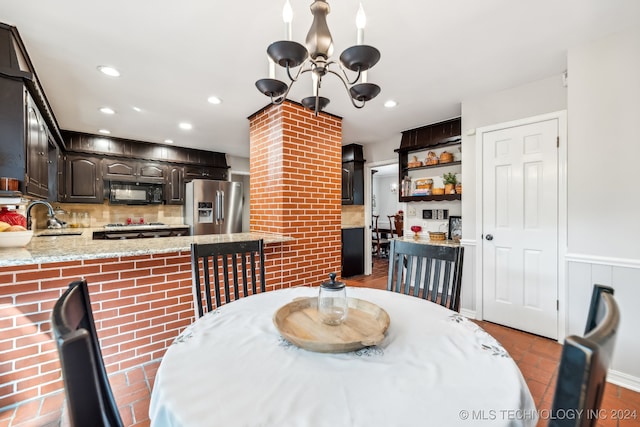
434	367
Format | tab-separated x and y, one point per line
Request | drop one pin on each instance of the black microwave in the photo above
122	193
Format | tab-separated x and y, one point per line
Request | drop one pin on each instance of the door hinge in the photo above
558	141
557	305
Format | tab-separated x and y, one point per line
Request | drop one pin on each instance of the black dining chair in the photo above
215	265
379	240
432	272
90	400
584	362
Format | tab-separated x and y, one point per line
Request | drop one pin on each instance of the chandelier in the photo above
315	57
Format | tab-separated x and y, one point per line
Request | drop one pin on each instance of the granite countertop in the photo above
429	242
78	247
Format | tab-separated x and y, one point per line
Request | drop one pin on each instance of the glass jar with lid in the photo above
332	301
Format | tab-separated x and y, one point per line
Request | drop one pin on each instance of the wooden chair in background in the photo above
213	263
379	241
397	224
430	272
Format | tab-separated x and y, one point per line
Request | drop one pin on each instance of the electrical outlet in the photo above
411	211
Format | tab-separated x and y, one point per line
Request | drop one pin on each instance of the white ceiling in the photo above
173	55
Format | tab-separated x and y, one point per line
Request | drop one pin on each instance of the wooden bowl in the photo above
437	191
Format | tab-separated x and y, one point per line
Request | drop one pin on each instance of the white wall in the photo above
238	164
604	197
386	201
382	151
604	147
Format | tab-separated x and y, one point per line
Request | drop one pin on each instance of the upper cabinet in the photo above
352	175
83	179
133	171
424	156
28	130
136	161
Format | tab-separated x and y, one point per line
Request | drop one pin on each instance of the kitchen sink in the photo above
72	233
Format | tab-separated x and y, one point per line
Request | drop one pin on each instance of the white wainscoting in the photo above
623	275
468	292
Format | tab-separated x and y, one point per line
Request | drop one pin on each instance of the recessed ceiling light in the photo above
138	109
107	110
168	141
186	126
214	100
109	71
390	103
104	131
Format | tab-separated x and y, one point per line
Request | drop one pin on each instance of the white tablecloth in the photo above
434	368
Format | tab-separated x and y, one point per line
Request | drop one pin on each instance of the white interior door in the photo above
520	227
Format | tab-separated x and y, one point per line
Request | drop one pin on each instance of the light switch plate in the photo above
411	211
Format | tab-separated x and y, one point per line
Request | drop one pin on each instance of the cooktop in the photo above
147	224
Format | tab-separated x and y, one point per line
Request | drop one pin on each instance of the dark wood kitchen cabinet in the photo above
352	175
28	129
37	144
151	172
83	179
24	151
352	251
133	171
204	172
174	188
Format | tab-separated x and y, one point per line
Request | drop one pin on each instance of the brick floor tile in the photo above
26	411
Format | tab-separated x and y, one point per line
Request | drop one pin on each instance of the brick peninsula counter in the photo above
140	292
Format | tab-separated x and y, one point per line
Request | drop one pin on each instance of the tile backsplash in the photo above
352	216
106	213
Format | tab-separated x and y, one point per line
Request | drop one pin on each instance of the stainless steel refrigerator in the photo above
213	207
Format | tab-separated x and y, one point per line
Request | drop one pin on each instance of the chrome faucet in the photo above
52	222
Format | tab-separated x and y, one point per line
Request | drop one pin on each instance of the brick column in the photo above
296	190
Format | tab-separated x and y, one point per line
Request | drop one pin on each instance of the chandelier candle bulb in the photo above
272	68
287	17
314	84
361	22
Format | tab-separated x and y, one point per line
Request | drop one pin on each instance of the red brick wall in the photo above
140	305
296	187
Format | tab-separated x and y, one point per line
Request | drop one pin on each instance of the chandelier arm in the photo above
297	74
346	87
346	76
282	97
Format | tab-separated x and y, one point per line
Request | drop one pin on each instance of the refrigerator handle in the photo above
222	206
217	206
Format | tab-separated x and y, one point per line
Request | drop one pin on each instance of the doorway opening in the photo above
381	198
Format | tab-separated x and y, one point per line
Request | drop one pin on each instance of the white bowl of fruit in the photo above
14	236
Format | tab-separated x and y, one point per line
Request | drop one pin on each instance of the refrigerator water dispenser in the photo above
205	212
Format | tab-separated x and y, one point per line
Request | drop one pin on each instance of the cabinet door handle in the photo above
489	237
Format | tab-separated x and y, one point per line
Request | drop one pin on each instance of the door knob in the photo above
489	237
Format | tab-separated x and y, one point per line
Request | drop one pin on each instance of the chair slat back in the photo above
432	272
584	363
235	269
89	396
